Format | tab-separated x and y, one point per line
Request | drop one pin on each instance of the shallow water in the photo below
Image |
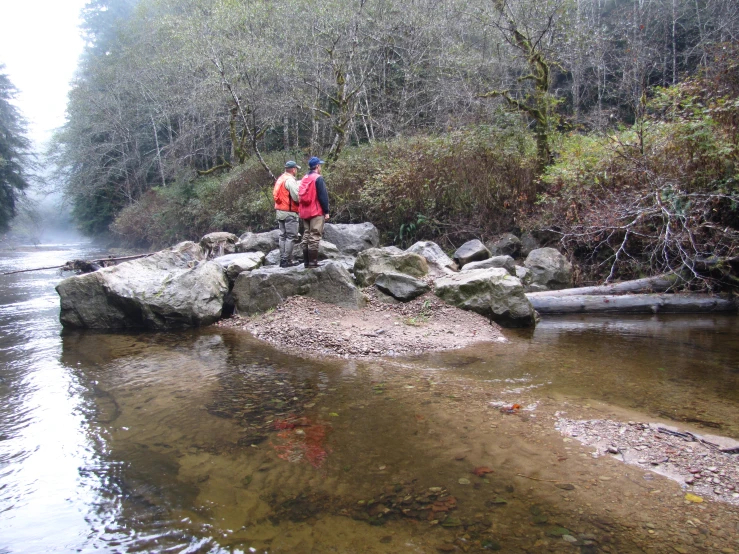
210	441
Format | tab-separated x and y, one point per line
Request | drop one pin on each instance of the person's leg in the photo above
291	236
304	240
282	240
314	239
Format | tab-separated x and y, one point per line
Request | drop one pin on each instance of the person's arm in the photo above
322	195
292	187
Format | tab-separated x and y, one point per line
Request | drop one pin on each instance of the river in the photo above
209	441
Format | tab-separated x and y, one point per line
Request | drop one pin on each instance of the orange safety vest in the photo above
283	201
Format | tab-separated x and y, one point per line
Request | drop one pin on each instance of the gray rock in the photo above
506	262
353	238
434	255
492	292
219	244
506	244
265	288
524	275
549	269
273	257
528	243
234	264
259	242
375	261
170	289
393	249
471	251
400	286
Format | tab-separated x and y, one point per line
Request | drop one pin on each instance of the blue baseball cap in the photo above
313	162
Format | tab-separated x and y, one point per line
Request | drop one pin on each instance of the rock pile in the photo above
195	284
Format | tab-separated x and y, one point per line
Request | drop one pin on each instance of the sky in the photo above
40	45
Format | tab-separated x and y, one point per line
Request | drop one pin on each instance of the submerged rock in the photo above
172	288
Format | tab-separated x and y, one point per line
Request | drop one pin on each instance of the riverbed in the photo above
210	440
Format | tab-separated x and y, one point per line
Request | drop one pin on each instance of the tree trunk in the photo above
659	283
632	304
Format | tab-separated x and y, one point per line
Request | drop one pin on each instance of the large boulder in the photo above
434	255
549	269
259	242
506	244
401	287
471	251
219	244
352	238
235	264
375	261
492	292
265	288
170	289
506	262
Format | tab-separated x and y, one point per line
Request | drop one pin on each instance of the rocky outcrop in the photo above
492	292
471	251
258	242
401	287
550	270
351	239
235	264
506	262
375	261
506	244
218	244
266	288
435	256
172	288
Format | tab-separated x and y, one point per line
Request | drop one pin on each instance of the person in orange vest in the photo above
313	210
285	193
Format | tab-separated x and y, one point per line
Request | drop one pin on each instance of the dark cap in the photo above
291	164
313	162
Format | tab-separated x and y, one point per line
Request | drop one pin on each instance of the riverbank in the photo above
306	327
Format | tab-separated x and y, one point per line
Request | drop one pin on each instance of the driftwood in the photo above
659	283
84	266
631	304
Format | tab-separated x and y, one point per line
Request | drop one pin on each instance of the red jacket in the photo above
309	205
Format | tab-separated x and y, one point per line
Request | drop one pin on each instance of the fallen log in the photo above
658	283
630	303
85	266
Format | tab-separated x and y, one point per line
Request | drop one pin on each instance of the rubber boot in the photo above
312	258
306	260
283	262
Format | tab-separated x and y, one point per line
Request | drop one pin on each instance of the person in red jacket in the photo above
285	193
313	210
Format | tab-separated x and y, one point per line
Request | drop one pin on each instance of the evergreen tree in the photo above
14	152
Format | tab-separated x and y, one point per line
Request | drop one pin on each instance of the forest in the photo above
609	128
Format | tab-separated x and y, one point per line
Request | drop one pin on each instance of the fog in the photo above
43	219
